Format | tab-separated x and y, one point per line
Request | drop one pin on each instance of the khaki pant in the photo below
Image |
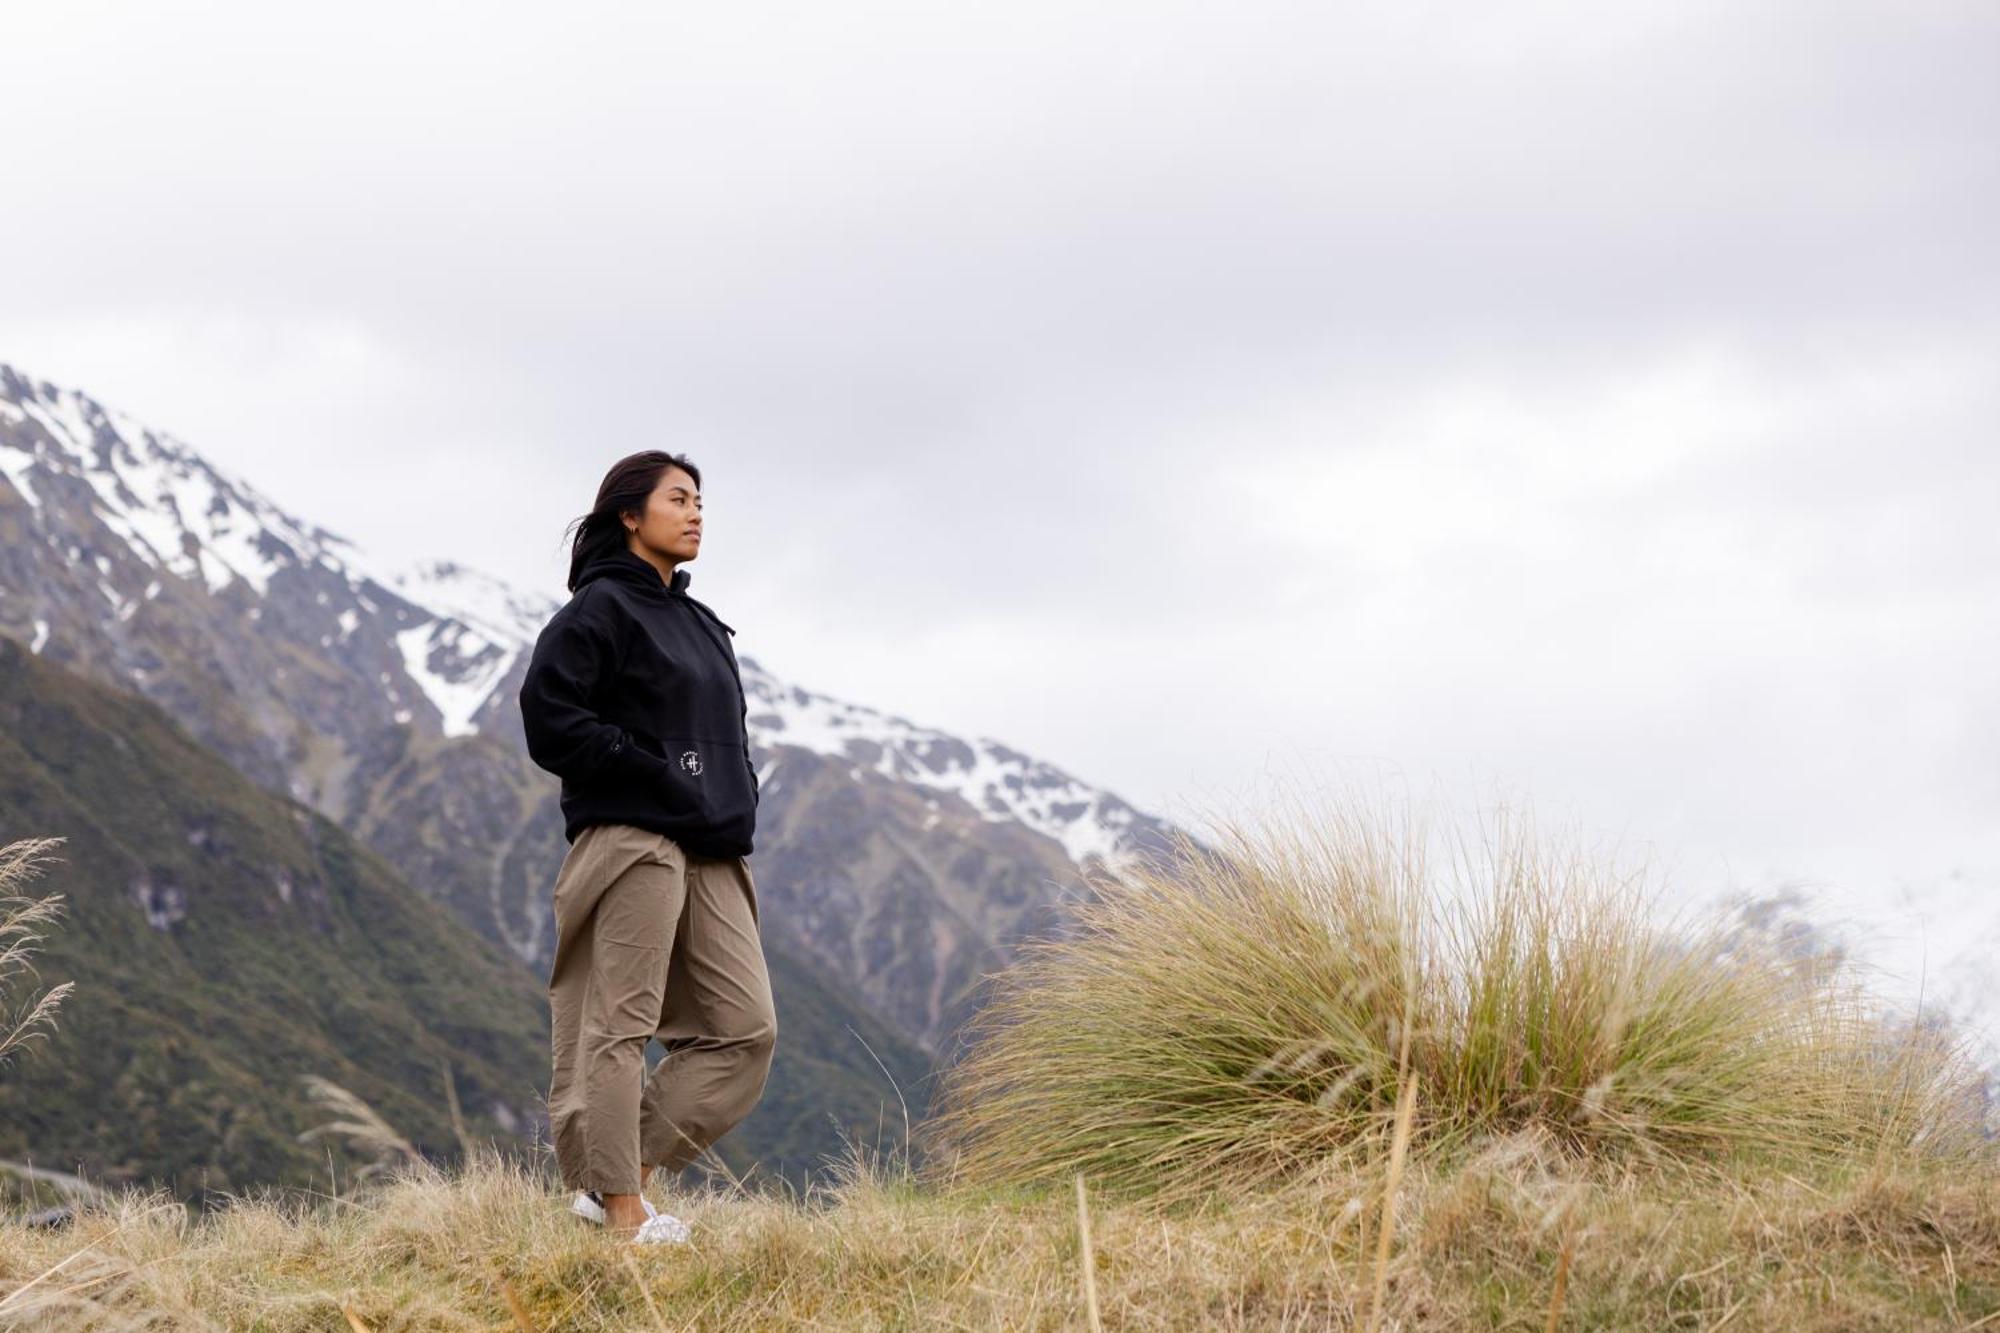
651	943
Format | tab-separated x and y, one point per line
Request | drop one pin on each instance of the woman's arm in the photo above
574	652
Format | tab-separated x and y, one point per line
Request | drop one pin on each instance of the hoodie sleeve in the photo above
574	652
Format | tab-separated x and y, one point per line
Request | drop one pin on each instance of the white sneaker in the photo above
589	1205
661	1229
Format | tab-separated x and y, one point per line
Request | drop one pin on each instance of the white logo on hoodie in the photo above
691	762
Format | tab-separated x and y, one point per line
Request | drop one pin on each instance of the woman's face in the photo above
671	524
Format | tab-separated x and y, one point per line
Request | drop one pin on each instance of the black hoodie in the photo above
634	700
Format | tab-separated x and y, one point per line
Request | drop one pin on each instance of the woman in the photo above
633	698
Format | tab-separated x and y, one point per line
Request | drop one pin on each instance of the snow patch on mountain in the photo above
500	612
456	667
998	782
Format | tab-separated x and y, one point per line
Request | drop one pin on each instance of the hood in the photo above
629	568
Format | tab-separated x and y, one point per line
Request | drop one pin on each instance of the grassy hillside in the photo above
1299	1083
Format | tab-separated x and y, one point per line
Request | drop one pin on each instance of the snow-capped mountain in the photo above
361	689
186	520
999	783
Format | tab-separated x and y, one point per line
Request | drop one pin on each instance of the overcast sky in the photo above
1595	400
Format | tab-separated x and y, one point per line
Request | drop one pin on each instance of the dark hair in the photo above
623	491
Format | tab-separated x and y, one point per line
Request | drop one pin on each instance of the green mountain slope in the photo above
224	942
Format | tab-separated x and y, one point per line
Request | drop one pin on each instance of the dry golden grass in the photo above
1480	1246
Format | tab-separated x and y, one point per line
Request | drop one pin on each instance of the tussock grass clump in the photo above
1226	1020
